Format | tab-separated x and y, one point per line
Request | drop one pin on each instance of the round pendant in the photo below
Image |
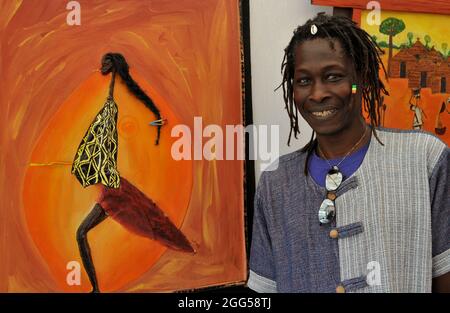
326	211
333	179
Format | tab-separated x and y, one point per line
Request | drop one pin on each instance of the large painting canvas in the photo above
186	56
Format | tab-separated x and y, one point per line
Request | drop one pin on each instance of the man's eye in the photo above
334	77
303	81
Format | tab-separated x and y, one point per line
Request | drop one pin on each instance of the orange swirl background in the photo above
186	56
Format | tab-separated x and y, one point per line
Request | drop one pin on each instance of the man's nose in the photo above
318	92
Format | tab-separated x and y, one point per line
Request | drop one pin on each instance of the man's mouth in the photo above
324	114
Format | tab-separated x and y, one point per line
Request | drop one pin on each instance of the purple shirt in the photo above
318	167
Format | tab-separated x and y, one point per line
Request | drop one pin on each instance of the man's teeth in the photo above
323	113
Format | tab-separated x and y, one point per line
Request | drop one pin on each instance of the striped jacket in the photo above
392	222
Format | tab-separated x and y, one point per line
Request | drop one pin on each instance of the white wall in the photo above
272	23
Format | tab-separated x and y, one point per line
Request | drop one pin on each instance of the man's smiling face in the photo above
323	79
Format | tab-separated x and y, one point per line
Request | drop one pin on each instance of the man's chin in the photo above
327	130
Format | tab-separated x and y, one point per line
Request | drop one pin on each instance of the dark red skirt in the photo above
136	212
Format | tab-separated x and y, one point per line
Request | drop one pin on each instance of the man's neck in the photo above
340	144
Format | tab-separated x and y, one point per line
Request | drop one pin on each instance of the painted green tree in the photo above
444	47
391	27
410	38
427	41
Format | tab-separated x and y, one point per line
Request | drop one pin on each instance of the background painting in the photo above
187	56
418	70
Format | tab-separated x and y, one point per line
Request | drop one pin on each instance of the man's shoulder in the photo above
414	140
288	164
421	145
411	135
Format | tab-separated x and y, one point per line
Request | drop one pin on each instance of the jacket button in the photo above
340	289
334	233
331	196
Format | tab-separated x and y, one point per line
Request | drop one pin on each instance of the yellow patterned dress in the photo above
96	157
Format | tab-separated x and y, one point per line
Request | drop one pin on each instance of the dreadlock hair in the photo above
116	63
358	46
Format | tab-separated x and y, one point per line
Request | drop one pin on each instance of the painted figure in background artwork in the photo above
440	128
419	114
96	163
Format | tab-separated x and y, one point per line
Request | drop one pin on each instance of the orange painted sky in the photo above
188	53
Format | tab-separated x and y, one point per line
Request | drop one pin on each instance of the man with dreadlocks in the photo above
360	208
